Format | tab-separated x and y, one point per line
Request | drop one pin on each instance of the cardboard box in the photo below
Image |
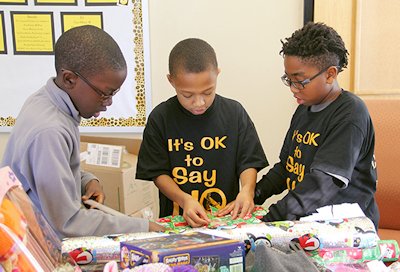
205	252
123	192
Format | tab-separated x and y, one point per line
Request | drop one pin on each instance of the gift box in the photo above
203	251
123	191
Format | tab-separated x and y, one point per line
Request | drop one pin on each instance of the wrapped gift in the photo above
357	232
203	251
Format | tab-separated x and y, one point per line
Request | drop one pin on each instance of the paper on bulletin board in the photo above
25	69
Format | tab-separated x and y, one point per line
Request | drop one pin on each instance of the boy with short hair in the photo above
197	144
328	152
43	148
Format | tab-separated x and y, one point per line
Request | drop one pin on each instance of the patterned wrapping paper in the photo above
385	250
177	224
358	232
93	249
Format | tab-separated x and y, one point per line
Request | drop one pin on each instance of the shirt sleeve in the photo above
85	178
346	137
305	199
153	159
270	184
273	182
59	192
251	153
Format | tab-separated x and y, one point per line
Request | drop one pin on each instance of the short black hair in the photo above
88	50
318	44
193	56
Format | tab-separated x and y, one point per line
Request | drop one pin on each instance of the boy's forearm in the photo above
170	189
248	180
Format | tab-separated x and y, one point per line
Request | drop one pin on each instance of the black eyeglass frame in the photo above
300	85
102	95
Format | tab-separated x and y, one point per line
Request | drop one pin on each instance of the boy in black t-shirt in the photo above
328	152
197	145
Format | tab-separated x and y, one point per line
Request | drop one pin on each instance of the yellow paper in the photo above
33	32
93	2
13	2
2	38
66	2
71	20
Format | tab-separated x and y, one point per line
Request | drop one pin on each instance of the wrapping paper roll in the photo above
358	232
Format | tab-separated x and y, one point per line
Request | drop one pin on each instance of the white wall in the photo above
246	37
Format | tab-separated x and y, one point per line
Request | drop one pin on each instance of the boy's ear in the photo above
332	74
171	80
69	79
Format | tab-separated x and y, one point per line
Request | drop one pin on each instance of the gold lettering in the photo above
195	194
213	190
169	145
180	175
208	143
188	146
309	138
300	172
299	138
195	177
295	132
313	137
289	164
295	168
203	143
291	185
210	181
218	142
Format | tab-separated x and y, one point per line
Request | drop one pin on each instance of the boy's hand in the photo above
244	204
227	209
94	191
156	227
194	213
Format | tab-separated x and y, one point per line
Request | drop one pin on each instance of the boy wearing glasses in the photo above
328	152
197	145
43	148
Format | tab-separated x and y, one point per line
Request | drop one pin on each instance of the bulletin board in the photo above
28	31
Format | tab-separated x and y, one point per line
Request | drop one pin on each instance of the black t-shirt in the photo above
319	149
204	154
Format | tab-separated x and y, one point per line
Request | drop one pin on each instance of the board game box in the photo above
204	251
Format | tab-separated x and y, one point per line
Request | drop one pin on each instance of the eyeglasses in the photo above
102	95
299	85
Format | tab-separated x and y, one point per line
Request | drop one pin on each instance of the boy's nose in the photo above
199	101
108	102
294	90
